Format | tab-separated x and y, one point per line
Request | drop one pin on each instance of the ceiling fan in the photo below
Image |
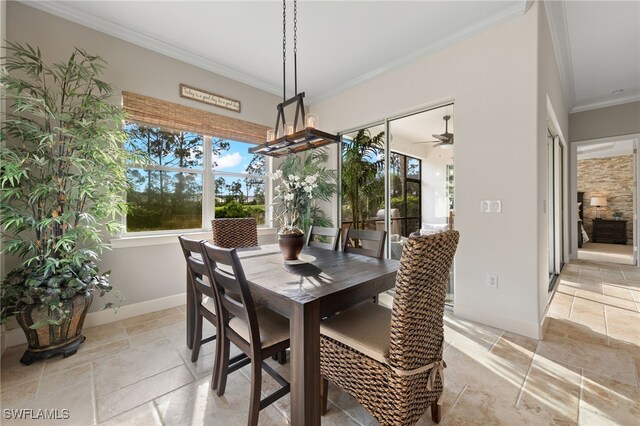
443	139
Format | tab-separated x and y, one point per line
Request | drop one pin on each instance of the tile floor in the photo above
585	371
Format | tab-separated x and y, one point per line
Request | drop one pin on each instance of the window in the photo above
191	179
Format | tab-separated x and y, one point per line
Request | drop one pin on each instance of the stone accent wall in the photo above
610	177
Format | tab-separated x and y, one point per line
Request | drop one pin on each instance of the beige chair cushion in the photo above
274	328
209	304
364	328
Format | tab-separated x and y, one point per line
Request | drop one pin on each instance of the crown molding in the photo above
70	13
606	103
97	23
517	9
557	17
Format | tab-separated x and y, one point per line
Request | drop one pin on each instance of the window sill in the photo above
170	238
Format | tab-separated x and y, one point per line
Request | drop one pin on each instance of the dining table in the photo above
320	283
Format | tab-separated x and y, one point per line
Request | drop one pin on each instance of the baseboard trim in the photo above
523	328
15	336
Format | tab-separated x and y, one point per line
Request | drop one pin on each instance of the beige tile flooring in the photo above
585	371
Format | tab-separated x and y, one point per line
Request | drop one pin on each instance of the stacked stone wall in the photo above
610	177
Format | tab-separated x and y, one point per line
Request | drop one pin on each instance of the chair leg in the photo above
256	384
436	412
223	370
217	360
324	394
197	338
281	357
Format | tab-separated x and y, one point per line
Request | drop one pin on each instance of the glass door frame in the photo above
555	204
387	179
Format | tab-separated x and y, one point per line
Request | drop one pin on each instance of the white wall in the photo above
141	273
551	106
605	122
492	78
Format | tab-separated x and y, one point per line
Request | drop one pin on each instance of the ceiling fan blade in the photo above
429	142
441	138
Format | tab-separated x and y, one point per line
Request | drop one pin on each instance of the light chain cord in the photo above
284	50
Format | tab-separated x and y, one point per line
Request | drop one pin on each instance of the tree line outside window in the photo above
191	178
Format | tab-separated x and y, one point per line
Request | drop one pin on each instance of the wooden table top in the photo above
334	277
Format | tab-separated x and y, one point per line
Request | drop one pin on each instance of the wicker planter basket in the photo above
51	340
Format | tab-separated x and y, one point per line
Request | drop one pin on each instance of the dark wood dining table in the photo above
319	284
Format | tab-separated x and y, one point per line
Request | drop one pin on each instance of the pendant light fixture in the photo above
302	133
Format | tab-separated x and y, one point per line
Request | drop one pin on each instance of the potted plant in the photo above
300	184
63	178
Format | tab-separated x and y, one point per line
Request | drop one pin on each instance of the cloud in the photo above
228	161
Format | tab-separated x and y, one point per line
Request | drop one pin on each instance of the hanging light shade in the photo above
302	133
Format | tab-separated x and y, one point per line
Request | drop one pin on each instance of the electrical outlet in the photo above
492	281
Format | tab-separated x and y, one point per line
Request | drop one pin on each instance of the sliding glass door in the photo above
555	171
397	176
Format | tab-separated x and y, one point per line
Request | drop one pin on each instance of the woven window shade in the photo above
155	112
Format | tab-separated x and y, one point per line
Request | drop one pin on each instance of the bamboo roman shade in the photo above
169	115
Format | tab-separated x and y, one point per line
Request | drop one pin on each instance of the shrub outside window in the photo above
190	179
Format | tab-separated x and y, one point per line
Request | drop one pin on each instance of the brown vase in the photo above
291	245
52	339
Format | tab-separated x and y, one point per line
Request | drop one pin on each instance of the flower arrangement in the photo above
300	184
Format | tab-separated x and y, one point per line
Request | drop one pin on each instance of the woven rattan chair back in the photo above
235	232
418	308
324	234
367	243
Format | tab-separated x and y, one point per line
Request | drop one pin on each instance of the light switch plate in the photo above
491	206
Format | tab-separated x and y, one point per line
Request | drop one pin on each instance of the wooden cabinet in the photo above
609	231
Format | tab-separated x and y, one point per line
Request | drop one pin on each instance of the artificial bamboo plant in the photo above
63	177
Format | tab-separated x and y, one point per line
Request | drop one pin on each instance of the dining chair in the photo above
365	242
205	299
390	360
235	232
206	308
324	234
258	332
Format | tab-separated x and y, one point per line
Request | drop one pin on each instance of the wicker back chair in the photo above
396	370
235	232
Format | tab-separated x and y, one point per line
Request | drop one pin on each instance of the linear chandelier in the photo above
301	134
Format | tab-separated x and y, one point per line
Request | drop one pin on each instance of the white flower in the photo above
288	197
310	180
308	188
294	178
277	174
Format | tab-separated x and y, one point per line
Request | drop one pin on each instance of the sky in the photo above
236	159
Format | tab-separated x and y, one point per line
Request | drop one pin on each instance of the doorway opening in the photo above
606	183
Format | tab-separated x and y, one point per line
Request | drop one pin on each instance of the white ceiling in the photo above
343	43
605	149
598	49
